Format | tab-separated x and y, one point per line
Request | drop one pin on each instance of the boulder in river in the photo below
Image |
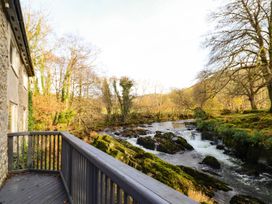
133	132
220	146
212	162
206	180
166	142
170	143
146	142
244	199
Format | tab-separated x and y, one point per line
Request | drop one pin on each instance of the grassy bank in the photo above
248	135
192	183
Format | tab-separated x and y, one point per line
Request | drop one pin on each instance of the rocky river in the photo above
242	178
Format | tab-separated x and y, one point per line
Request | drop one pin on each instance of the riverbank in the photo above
247	136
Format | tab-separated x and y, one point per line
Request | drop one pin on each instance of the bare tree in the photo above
75	68
38	32
246	82
243	34
182	98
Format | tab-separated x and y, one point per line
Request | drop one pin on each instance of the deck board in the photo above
33	188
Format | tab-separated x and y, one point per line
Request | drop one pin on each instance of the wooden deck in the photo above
33	188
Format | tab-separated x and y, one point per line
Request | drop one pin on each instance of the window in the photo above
12	117
14	59
24	128
25	79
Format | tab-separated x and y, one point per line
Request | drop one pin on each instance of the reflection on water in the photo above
260	186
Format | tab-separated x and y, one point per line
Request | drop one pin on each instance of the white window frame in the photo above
15	60
13	117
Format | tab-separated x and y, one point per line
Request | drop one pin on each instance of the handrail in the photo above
92	176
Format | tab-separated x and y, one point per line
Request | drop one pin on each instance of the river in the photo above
259	186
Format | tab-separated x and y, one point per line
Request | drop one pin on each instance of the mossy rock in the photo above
244	199
168	147
205	181
170	143
220	147
133	132
146	142
141	131
128	133
212	162
167	135
102	145
182	142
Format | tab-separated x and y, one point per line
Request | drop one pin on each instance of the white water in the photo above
260	186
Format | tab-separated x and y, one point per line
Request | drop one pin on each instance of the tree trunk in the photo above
269	88
253	103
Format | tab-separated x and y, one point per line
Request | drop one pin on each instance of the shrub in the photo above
207	125
200	113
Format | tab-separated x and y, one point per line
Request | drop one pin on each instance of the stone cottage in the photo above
15	69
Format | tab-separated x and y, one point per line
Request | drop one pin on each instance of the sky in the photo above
155	42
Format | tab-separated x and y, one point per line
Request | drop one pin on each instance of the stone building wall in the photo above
4	65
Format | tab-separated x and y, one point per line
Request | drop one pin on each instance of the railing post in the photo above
29	153
10	153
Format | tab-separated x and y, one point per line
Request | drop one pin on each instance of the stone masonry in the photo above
4	65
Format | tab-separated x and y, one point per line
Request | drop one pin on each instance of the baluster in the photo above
119	195
45	152
112	192
94	185
18	152
10	153
99	187
33	150
79	168
50	151
40	148
37	150
23	152
126	198
58	156
54	152
106	189
29	153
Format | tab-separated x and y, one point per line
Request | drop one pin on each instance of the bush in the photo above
200	113
207	125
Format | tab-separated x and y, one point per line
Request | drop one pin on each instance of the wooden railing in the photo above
34	151
88	174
